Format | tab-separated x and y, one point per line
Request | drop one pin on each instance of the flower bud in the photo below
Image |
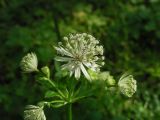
103	57
107	77
59	43
103	63
46	71
65	38
93	74
29	63
110	81
33	112
127	85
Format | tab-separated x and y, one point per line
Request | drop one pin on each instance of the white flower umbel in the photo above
80	52
127	85
29	63
34	113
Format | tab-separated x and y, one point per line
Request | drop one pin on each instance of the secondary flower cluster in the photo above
33	112
80	51
127	85
29	63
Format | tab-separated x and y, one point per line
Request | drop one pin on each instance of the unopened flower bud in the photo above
29	63
59	43
65	38
33	112
103	57
46	71
93	74
103	63
127	85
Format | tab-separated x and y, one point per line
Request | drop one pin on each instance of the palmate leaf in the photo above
82	92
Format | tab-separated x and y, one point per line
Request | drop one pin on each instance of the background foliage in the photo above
128	30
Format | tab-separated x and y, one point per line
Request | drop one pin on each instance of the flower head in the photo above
46	71
29	63
80	51
127	85
34	113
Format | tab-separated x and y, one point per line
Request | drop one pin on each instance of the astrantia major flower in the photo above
127	85
29	63
80	52
33	112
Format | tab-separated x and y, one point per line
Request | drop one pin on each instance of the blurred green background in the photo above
128	29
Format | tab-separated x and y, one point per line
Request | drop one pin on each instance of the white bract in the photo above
127	85
80	52
29	63
34	113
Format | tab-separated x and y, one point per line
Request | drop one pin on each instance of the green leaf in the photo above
50	94
44	82
57	103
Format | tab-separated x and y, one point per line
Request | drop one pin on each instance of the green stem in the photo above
56	88
69	111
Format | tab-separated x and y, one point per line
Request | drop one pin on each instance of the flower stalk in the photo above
69	108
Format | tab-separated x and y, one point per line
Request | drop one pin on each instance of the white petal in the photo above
85	72
87	64
67	66
62	51
63	59
71	73
77	73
